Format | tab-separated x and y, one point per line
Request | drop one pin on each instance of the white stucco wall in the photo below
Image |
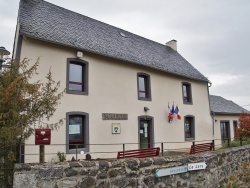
217	126
113	89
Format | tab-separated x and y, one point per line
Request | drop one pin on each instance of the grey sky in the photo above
212	35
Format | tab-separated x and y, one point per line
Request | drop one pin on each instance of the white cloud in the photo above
219	80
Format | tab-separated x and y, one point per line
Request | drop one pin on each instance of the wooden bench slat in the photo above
198	148
139	153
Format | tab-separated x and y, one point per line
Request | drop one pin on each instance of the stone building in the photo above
119	86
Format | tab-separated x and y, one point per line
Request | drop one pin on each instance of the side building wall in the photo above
224	127
112	88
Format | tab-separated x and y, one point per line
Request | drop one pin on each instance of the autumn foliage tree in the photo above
25	105
244	125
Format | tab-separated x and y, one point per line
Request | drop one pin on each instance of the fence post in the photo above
240	141
42	153
228	142
162	149
123	149
193	147
76	150
20	153
213	145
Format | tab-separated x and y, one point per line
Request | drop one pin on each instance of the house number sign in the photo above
108	116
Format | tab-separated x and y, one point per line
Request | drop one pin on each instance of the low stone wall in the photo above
223	169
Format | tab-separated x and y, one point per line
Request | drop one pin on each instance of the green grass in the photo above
236	143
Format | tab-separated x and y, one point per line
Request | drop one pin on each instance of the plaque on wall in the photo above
109	116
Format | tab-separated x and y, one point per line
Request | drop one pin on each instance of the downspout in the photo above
212	113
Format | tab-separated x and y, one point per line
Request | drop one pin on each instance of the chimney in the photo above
172	44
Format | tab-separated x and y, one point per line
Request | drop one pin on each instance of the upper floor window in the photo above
189	127
144	90
77	135
77	76
186	93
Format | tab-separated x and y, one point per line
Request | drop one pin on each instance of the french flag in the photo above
170	114
172	110
177	111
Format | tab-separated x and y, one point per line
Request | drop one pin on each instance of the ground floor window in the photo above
189	127
77	132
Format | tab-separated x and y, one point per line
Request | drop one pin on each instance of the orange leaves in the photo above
244	125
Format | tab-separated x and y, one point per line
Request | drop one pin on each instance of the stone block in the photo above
67	183
87	182
159	160
47	173
21	167
104	165
70	172
88	163
120	182
25	180
102	175
150	181
132	164
145	162
75	164
113	173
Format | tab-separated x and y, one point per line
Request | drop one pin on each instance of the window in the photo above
189	128
187	94
77	132
143	82
77	76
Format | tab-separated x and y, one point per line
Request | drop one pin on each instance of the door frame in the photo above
151	119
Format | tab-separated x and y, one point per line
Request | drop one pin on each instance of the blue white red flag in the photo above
172	110
170	115
177	111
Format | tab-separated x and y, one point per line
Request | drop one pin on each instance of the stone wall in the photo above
224	168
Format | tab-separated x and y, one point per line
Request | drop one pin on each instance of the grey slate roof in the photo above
219	105
45	21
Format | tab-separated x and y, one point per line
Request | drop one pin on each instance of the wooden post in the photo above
162	149
228	142
76	150
240	141
193	147
213	145
123	149
41	153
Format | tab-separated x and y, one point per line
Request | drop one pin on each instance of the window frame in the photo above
85	70
192	137
85	131
147	87
189	93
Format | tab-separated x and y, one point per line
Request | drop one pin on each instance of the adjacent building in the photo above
118	85
225	114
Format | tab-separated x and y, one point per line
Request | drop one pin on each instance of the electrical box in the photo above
43	136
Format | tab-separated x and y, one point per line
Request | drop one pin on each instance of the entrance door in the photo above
145	132
225	131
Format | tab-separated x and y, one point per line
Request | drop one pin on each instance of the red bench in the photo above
139	153
198	148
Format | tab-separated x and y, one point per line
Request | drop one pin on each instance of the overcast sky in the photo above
214	36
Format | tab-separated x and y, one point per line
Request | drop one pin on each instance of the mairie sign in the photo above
197	166
171	171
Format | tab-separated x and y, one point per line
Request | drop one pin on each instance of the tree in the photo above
24	106
244	125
